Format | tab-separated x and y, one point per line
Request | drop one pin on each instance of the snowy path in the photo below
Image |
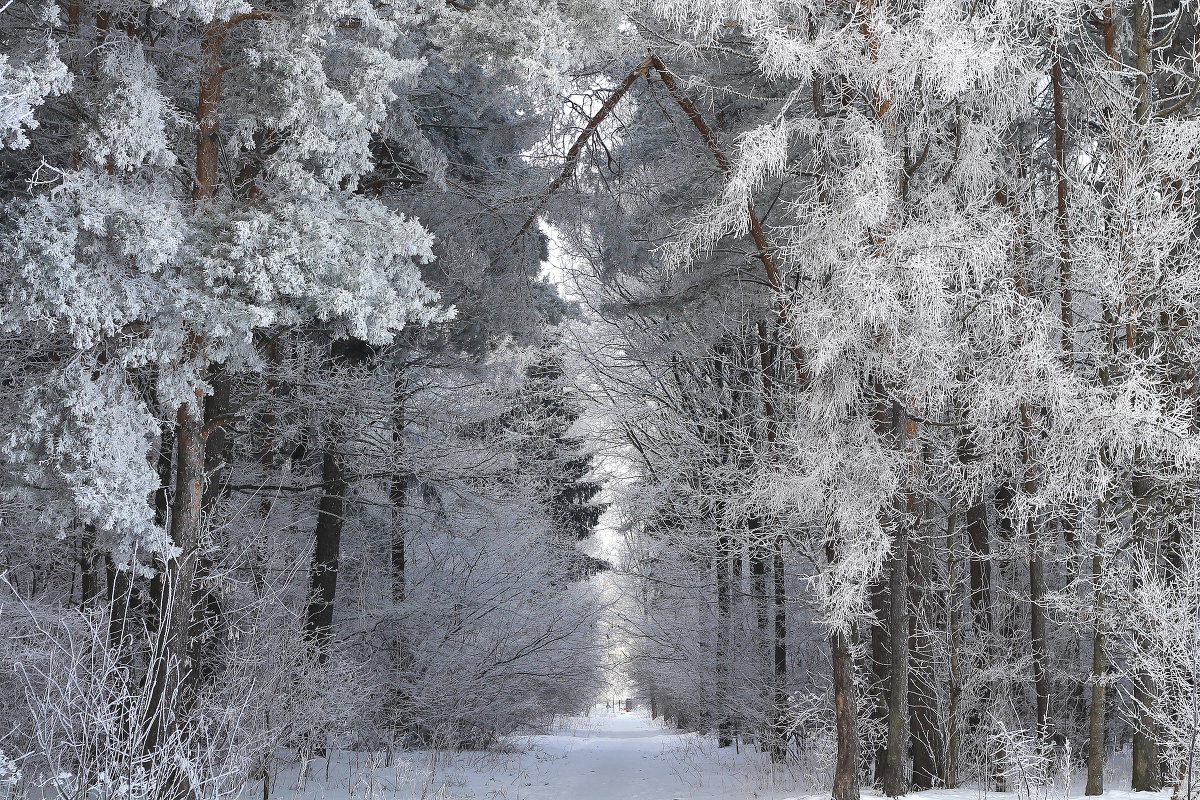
632	757
605	756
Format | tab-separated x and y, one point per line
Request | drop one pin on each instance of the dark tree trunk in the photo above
398	494
881	667
90	566
925	735
980	567
1037	636
331	516
895	777
1096	712
163	466
120	601
762	619
398	499
1146	776
845	778
775	646
779	718
1037	589
218	453
895	782
327	545
950	776
979	540
723	655
170	670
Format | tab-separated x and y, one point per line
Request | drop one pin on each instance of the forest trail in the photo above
603	756
628	755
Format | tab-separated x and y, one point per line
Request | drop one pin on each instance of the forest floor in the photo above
603	756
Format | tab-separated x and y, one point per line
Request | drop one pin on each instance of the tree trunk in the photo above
881	667
163	466
779	717
762	619
90	563
1146	776
398	500
217	455
845	781
845	702
1037	635
1096	710
775	647
1037	592
1065	267
398	495
169	671
950	775
327	545
924	732
331	516
980	567
895	778
218	451
895	782
979	540
723	655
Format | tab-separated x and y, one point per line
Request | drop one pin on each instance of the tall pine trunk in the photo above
923	723
954	690
895	781
1146	773
1096	711
398	495
845	705
881	669
779	650
723	652
895	777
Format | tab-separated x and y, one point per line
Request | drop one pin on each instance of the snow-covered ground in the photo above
604	756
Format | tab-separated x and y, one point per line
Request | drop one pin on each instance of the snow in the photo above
603	756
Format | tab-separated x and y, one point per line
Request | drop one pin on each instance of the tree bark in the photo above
398	496
924	732
331	516
1096	711
775	642
845	702
217	455
1037	636
979	540
170	670
1037	591
950	774
881	667
1065	267
895	779
845	781
327	545
779	655
723	655
90	562
1146	774
895	782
